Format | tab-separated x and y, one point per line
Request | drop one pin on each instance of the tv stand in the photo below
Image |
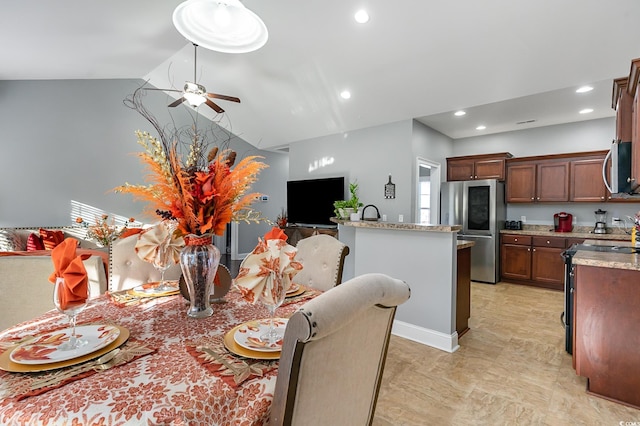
298	232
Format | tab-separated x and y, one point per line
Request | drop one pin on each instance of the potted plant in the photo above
344	208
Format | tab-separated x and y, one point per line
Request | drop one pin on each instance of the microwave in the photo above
620	178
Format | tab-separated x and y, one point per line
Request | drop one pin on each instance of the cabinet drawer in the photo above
556	242
521	240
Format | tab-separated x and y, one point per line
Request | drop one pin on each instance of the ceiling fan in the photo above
195	94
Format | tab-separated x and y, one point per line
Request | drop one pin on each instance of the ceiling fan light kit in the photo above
221	25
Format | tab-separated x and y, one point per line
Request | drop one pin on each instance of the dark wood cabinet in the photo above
537	181
297	233
533	260
622	103
606	318
472	167
586	182
463	291
633	91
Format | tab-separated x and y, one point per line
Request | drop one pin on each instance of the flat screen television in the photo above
310	202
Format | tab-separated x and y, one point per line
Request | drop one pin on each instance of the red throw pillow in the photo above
130	231
51	238
34	242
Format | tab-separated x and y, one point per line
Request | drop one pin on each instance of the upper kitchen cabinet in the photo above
634	93
622	103
537	179
586	183
472	167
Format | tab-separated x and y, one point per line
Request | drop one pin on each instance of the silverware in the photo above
106	359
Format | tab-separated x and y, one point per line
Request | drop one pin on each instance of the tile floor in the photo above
511	369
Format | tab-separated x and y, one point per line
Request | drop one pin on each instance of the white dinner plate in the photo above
45	349
248	334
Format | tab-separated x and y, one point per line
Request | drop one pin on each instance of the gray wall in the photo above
365	156
592	135
65	140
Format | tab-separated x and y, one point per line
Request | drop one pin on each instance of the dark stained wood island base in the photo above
463	289
606	337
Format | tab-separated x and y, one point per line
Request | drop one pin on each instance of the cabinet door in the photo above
489	169
521	180
587	184
515	262
635	138
460	170
552	181
547	266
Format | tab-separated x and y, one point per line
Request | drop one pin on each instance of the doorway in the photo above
427	192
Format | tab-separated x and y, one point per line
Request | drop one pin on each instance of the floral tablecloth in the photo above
170	386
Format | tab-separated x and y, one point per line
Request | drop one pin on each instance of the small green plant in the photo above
354	201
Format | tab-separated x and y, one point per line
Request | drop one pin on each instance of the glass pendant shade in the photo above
221	25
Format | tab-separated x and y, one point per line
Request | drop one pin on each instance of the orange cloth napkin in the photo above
70	267
268	270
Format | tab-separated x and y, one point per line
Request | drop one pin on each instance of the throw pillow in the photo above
51	238
34	242
10	240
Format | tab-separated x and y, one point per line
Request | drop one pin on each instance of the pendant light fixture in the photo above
221	25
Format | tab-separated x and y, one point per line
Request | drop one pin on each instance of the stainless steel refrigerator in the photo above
477	205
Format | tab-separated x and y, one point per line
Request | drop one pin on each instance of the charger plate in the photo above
151	289
7	365
233	347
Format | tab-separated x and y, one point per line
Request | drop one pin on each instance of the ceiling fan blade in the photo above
215	107
223	97
162	90
177	102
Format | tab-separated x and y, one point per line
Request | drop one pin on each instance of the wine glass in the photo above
163	259
277	297
71	310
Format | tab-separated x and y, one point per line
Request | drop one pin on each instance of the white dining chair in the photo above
334	352
322	257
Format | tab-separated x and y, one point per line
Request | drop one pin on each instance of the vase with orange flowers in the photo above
202	187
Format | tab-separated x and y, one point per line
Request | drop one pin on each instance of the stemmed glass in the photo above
71	310
163	259
277	297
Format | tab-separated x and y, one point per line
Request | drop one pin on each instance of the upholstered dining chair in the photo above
334	353
322	257
127	270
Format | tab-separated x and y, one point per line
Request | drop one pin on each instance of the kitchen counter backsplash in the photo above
613	233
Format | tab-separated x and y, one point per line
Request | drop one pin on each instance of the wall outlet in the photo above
523	219
401	218
614	220
384	217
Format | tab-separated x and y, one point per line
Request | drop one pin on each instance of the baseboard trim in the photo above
435	339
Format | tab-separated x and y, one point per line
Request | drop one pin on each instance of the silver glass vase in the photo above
199	261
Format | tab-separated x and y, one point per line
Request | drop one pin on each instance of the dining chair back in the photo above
334	352
127	270
322	257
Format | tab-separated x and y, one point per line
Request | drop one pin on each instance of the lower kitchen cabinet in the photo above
533	260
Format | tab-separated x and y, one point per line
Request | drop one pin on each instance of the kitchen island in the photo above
606	318
426	257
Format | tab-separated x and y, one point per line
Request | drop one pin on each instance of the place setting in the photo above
251	348
65	353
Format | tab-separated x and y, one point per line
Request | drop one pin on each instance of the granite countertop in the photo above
398	225
607	259
578	232
463	244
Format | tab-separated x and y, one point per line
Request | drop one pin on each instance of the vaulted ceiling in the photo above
504	61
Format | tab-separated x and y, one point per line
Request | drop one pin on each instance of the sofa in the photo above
25	290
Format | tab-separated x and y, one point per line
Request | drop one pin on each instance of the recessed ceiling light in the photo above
459	113
584	89
345	94
586	111
481	127
362	17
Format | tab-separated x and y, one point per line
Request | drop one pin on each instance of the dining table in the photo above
168	368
